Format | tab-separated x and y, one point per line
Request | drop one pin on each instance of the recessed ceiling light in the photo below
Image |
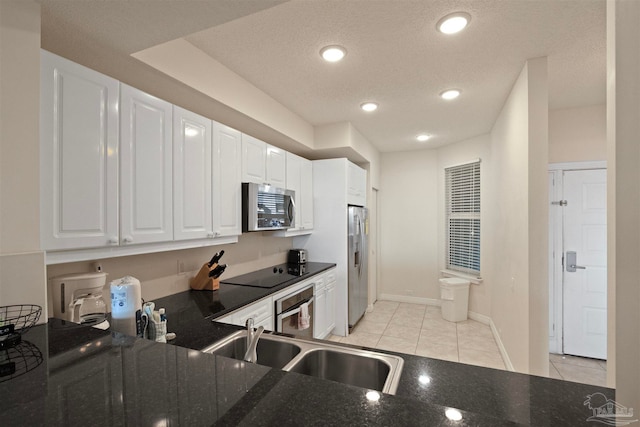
423	137
369	106
333	53
453	23
450	94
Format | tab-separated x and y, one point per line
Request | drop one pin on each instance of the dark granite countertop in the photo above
92	377
184	307
73	375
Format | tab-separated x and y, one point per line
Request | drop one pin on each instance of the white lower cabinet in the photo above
320	308
331	301
325	308
261	312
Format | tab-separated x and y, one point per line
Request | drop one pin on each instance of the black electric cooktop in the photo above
269	277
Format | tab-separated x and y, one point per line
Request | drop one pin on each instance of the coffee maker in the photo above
78	297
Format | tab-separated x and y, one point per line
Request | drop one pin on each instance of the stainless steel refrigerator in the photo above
358	282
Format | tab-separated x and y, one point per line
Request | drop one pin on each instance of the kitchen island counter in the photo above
91	377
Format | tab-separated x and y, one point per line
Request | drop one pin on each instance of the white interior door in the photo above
585	276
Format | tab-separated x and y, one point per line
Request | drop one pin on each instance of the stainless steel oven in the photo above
288	313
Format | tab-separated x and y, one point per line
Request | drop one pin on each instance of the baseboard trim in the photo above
496	336
486	320
409	299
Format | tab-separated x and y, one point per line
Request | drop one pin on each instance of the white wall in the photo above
453	154
188	64
409	225
517	229
623	201
21	261
158	272
578	134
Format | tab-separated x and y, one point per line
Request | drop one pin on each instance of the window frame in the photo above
462	197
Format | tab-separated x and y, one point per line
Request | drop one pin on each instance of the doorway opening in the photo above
578	260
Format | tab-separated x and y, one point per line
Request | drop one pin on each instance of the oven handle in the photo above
296	310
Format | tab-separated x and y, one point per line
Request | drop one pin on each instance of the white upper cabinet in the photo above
276	166
300	180
227	178
305	200
78	156
254	155
294	163
356	185
263	163
192	218
146	208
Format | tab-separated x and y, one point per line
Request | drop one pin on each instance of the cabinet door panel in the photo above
357	185
192	217
254	153
331	307
276	167
227	178
78	156
320	320
293	168
305	200
145	168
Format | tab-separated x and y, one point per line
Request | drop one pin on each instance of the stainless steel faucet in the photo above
253	335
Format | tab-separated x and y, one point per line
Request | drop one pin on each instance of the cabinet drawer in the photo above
257	311
319	283
330	276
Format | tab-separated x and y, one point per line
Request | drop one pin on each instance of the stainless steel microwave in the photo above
265	207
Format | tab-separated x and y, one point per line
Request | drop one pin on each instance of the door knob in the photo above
572	259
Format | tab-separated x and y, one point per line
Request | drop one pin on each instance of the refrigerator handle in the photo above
360	247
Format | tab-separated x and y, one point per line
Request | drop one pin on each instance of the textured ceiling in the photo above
395	56
132	25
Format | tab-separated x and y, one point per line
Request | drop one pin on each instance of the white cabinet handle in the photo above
128	239
113	240
211	235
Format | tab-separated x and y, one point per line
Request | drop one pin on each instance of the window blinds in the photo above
462	204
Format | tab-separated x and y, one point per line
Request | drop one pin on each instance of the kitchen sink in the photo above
362	368
272	351
355	369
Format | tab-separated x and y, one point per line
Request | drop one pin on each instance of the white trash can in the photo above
454	293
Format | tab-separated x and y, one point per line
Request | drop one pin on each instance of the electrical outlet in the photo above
409	292
180	267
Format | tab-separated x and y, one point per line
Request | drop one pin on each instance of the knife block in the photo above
202	281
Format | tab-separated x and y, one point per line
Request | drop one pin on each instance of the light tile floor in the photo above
578	369
421	330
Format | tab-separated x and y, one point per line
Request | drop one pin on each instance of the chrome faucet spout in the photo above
250	330
252	343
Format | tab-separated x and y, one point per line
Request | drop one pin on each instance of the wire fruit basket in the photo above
16	320
16	356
